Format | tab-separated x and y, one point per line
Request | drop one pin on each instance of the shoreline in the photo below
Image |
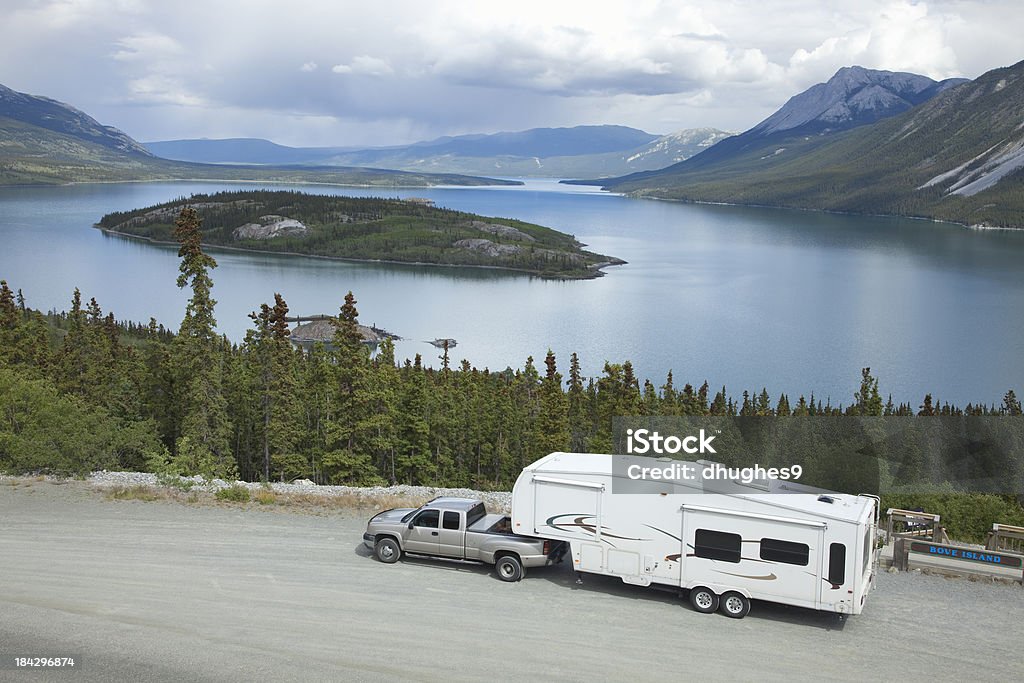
595	270
635	195
500	183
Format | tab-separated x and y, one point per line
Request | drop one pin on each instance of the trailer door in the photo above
567	509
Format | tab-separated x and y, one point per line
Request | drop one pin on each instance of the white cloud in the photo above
308	67
365	65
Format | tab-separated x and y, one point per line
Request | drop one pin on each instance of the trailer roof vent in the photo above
827	499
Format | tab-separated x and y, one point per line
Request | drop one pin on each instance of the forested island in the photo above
367	229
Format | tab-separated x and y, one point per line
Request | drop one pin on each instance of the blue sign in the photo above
955	553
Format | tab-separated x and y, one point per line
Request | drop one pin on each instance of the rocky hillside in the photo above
853	97
958	156
62	118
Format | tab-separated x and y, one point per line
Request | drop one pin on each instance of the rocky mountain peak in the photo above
854	96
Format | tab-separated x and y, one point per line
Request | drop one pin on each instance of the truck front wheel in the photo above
509	568
387	550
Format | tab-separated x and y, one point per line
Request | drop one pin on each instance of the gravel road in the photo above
163	591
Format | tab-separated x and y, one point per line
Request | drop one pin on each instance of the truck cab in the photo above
458	529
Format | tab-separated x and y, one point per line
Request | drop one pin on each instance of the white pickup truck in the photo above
458	529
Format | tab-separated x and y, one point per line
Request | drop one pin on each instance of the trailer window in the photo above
837	564
868	542
451	520
717	545
788	552
427	518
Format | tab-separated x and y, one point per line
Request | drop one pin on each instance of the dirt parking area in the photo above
167	591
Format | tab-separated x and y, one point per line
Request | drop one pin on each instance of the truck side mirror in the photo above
411	524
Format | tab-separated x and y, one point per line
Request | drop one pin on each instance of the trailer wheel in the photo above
387	550
735	605
509	568
704	600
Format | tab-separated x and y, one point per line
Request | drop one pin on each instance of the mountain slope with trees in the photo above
956	157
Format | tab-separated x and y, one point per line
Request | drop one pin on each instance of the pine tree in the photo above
579	424
270	351
869	401
348	459
1011	405
199	358
553	433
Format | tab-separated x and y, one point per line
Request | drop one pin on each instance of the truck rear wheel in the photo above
509	568
704	600
735	605
387	550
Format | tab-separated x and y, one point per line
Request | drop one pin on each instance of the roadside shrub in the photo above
175	481
233	494
42	430
966	516
265	497
134	493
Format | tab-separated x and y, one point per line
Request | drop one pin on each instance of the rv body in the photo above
808	549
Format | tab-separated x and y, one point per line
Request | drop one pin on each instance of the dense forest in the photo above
369	228
81	391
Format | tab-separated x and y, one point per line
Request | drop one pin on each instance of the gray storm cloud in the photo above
346	73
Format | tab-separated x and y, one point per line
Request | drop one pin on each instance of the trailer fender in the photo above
721	588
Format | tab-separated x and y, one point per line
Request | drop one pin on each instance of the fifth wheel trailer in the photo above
759	541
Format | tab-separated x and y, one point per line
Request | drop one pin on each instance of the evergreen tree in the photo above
348	459
198	357
270	351
1011	405
868	400
553	419
578	422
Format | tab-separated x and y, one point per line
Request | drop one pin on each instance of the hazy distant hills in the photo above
550	152
239	151
46	141
958	155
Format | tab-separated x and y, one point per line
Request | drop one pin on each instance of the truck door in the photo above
452	534
423	537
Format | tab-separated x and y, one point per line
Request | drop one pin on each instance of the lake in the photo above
742	297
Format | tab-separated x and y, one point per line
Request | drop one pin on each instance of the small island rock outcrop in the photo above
270	226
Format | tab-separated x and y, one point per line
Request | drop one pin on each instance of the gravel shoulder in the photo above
169	591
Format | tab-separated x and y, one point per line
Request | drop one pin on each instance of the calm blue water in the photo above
743	297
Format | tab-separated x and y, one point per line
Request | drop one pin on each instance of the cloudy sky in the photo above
338	72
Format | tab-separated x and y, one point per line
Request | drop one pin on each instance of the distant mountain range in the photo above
46	141
549	152
871	142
